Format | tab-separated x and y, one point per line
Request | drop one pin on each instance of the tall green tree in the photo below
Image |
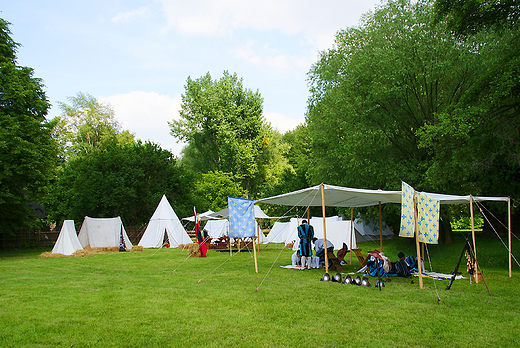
470	16
27	151
376	88
213	189
121	180
478	139
223	124
379	84
85	124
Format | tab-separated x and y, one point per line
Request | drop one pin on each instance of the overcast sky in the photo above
137	55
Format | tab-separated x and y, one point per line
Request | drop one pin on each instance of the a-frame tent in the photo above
164	220
103	232
67	242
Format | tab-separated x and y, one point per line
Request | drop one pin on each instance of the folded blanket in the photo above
435	275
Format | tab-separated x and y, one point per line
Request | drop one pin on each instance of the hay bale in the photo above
87	251
289	246
193	249
51	254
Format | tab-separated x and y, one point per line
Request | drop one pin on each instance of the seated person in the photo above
296	259
319	247
401	268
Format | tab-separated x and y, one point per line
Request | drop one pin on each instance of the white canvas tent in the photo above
164	220
338	232
259	214
217	228
220	228
366	232
67	242
103	232
281	232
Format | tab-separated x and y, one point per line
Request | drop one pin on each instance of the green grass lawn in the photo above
154	299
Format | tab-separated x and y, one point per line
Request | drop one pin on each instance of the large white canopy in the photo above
337	196
208	215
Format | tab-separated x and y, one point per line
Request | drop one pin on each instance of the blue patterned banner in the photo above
241	217
407	211
428	218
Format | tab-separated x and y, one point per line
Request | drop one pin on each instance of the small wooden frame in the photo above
336	263
361	258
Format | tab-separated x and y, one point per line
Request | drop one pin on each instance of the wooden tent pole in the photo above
324	228
422	249
419	268
380	227
473	235
351	231
509	233
254	254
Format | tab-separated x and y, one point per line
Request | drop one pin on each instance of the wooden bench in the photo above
336	263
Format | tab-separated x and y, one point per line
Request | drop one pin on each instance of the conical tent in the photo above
164	220
67	242
103	232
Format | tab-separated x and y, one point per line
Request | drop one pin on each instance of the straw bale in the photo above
289	246
193	249
51	254
87	251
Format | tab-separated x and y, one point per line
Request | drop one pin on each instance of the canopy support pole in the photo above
351	231
419	268
380	227
473	235
509	232
324	227
254	253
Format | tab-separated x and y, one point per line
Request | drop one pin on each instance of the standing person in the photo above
306	234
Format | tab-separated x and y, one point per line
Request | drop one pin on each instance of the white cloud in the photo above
146	114
269	57
317	22
282	122
126	17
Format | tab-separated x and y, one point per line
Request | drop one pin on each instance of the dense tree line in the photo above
27	150
421	91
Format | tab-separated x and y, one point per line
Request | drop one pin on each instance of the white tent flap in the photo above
67	242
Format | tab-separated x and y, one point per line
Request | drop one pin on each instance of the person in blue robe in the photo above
306	234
